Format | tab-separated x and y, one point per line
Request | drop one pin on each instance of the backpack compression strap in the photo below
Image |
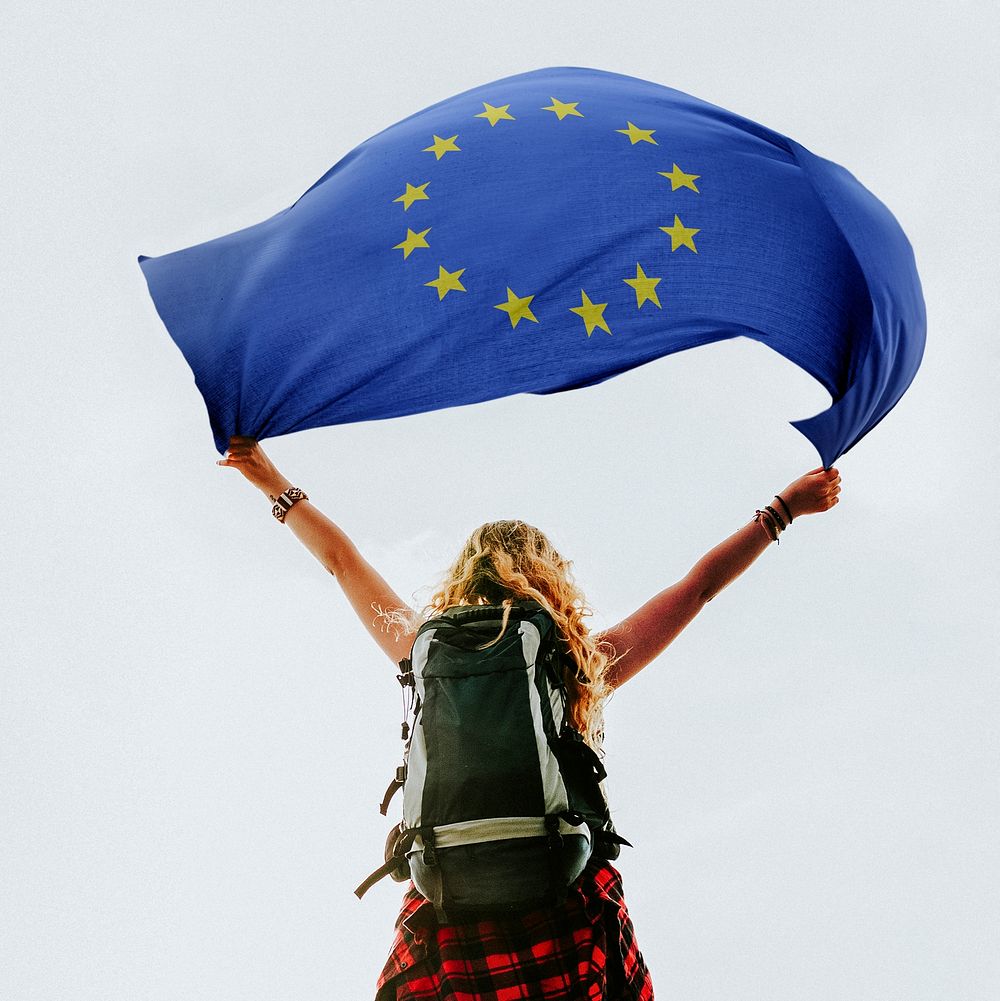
471	832
398	858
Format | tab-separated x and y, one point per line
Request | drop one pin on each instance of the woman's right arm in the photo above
364	587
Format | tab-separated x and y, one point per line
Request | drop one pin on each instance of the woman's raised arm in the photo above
646	633
364	586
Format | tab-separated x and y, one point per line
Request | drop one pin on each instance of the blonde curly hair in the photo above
506	560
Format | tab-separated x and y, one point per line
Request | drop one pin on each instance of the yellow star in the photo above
638	135
447	281
562	109
680	235
678	179
517	308
441	146
592	313
412	194
493	115
412	241
645	287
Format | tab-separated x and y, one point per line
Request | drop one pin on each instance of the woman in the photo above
586	948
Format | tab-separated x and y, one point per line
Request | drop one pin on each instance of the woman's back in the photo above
584	948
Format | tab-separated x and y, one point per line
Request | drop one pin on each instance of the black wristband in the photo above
777	517
786	507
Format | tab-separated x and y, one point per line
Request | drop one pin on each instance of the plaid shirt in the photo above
584	950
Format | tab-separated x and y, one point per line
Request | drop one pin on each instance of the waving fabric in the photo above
542	233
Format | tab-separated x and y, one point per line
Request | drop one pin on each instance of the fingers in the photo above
243	454
234	456
832	474
831	494
826	486
239	451
241	446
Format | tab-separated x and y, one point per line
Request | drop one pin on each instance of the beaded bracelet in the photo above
777	517
764	519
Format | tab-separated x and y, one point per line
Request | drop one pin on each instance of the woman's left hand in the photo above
246	455
813	492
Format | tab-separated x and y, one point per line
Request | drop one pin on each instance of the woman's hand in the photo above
246	455
814	492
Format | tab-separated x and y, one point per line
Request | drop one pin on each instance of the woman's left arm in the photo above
645	634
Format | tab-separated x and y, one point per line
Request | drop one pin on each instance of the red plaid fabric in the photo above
584	950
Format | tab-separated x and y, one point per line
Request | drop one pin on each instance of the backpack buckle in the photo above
406	678
430	848
554	836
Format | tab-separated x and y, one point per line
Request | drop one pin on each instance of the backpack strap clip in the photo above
394	786
439	896
430	847
552	829
557	885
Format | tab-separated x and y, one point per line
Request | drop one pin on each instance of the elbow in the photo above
704	591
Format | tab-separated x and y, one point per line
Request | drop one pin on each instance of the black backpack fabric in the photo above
504	802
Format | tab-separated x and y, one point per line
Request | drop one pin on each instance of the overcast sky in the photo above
196	728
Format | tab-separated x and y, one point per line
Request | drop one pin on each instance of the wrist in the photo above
768	523
793	508
275	488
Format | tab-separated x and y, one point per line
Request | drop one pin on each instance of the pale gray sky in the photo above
196	729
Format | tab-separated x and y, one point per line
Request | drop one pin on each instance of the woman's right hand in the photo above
246	455
816	491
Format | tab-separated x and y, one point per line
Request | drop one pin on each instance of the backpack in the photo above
504	802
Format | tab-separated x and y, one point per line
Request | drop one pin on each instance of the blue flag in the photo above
538	234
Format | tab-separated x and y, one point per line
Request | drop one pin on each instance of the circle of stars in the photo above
518	307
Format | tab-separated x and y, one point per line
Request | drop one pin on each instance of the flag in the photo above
538	234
